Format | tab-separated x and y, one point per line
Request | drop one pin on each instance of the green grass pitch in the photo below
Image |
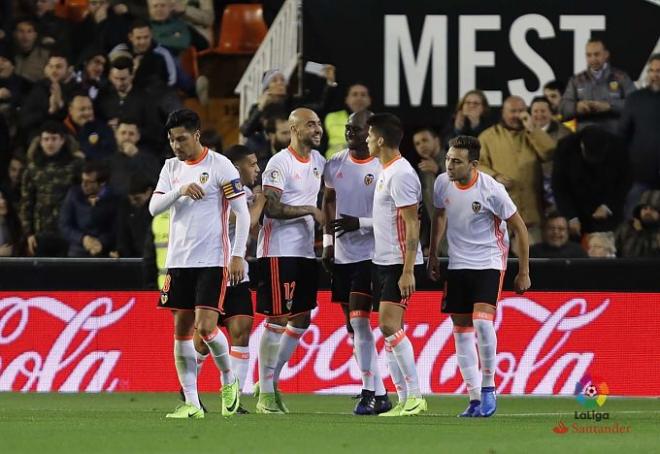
135	423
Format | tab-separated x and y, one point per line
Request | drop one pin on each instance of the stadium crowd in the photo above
82	139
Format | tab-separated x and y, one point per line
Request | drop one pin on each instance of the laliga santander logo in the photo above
591	392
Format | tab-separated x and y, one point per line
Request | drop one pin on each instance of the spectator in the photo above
541	111
168	30
10	228
54	31
89	214
47	178
357	99
136	9
129	160
552	91
640	129
30	56
596	96
601	245
512	152
101	28
432	163
471	117
211	139
556	242
94	137
199	15
589	180
13	88
11	184
278	133
640	236
134	219
91	77
47	98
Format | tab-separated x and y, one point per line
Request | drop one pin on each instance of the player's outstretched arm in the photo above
240	209
277	210
411	222
522	281
438	228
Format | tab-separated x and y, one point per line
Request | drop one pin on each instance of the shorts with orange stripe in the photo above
191	288
464	288
350	278
286	286
238	302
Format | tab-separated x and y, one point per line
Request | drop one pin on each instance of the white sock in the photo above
487	342
365	350
468	363
186	369
240	360
217	343
268	347
200	361
396	374
288	344
405	357
378	379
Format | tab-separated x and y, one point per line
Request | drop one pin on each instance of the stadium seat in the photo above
188	60
73	10
241	31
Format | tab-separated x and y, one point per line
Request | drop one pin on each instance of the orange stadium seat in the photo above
188	60
241	31
74	10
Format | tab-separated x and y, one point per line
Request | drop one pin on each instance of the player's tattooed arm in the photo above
277	210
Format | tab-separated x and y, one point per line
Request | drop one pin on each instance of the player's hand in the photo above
583	107
236	270
522	283
433	268
318	216
407	284
429	165
328	259
32	245
192	190
575	227
344	224
600	106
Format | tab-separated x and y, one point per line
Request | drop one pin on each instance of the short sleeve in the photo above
439	188
164	183
274	175
328	174
231	182
406	189
501	203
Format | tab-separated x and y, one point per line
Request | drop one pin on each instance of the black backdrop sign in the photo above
419	56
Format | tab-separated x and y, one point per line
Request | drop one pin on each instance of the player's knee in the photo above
301	321
241	339
205	330
388	327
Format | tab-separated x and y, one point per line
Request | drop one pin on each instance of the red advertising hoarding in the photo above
118	341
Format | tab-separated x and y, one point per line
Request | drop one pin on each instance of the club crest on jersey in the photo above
163	298
476	207
204	177
316	172
368	179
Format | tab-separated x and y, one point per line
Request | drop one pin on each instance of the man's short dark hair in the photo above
78	93
469	143
138	184
355	83
211	139
100	168
25	20
540	99
53	127
654	57
122	63
428	129
127	120
271	122
236	153
555	85
185	118
551	216
139	23
388	126
597	39
55	53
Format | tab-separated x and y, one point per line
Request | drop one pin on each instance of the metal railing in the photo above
281	48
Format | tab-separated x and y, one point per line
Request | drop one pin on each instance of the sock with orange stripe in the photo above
468	363
405	358
268	347
364	348
396	374
240	360
186	369
288	343
217	343
487	342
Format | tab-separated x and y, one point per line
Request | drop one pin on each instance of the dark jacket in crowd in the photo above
637	239
567	251
132	226
34	111
467	130
122	168
95	139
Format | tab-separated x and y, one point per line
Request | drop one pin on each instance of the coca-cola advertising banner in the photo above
118	341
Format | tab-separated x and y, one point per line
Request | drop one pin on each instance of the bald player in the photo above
288	276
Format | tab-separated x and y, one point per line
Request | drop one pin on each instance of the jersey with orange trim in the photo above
397	187
299	181
199	231
476	221
354	182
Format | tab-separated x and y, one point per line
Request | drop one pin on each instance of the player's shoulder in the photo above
489	185
219	159
317	157
442	181
281	159
340	156
403	167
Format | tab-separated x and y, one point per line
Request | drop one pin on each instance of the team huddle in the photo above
371	249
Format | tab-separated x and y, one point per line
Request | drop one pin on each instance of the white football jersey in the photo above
476	221
199	230
299	180
397	187
232	234
354	182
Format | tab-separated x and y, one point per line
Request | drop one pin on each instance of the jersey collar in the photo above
191	162
471	183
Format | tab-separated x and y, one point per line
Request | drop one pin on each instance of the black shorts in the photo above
350	278
387	284
191	288
464	288
238	302
286	286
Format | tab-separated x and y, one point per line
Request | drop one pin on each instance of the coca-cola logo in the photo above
38	370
